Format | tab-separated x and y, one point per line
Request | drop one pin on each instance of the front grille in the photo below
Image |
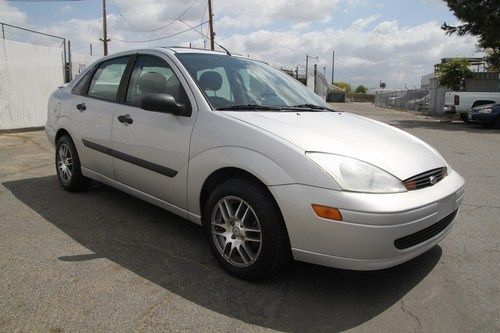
425	179
425	234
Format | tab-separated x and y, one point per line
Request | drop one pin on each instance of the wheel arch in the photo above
219	176
482	102
214	166
60	132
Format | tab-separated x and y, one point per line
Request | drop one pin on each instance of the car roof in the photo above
184	49
173	50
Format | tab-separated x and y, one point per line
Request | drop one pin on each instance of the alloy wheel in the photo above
236	231
64	163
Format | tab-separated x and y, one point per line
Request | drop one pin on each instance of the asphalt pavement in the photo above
101	260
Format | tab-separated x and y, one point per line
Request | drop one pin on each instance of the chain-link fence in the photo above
35	66
317	82
410	100
80	61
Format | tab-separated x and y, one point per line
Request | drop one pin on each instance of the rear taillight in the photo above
456	100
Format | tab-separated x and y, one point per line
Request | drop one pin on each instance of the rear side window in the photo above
80	85
106	80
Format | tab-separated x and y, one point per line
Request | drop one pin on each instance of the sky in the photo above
393	41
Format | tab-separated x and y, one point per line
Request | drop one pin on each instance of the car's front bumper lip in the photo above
482	117
371	223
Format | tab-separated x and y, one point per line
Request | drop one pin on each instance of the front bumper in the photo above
484	118
364	240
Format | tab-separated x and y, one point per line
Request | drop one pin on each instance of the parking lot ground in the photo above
101	260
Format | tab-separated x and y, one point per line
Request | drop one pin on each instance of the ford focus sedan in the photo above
269	170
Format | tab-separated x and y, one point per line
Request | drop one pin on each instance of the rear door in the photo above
151	153
95	108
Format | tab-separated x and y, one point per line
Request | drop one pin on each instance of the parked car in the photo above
463	101
268	169
488	115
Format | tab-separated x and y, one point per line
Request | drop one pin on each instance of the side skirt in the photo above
141	195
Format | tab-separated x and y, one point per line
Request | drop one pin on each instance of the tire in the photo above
464	118
497	122
234	241
68	168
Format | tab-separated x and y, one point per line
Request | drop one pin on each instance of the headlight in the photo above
488	110
357	176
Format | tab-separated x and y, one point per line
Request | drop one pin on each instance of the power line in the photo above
201	33
203	16
159	38
151	30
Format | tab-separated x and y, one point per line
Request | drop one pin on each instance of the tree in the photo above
361	89
343	85
452	72
479	18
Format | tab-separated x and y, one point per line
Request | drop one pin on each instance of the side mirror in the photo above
164	103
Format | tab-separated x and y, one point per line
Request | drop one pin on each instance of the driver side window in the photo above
152	75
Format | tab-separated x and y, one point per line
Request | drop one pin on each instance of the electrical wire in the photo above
151	30
159	38
198	31
203	16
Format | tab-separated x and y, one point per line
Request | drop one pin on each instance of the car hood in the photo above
385	146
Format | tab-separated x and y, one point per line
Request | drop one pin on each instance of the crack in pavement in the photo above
405	310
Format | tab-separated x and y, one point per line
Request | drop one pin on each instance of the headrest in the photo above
210	81
152	83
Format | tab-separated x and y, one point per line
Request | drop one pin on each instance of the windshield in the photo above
242	84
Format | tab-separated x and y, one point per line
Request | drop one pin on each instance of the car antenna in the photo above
222	47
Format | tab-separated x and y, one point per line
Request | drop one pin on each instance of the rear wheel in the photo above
68	166
464	118
245	230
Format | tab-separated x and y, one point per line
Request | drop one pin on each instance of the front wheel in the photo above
464	117
245	230
68	166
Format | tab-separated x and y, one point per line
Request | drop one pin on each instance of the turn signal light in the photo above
327	212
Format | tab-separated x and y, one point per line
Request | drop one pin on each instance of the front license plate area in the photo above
446	206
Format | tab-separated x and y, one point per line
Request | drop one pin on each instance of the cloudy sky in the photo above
396	41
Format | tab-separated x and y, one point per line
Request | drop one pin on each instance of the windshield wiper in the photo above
248	107
307	106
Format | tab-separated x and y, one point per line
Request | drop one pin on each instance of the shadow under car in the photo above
173	253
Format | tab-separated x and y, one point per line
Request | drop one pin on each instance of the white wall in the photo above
28	75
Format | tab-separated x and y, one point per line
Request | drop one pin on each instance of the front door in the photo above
94	115
151	149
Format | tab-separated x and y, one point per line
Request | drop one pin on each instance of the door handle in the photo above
125	119
81	107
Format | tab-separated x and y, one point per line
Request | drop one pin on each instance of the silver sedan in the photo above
268	169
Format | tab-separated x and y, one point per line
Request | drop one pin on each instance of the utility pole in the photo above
333	64
104	38
211	25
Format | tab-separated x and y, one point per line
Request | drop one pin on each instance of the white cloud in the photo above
259	13
302	26
364	22
280	32
12	15
394	54
65	9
